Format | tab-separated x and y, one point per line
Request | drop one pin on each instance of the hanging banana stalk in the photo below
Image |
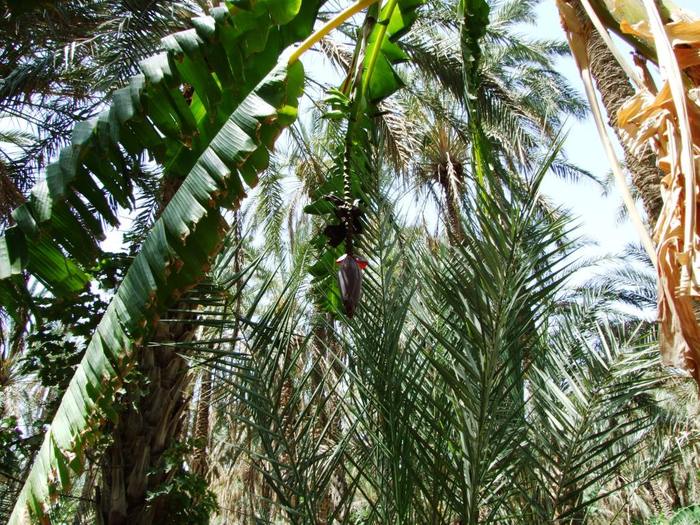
371	78
349	215
348	210
351	266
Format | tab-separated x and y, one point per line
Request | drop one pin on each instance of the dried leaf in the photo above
670	123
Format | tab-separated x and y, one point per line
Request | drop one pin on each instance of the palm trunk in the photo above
152	420
145	430
615	89
659	501
200	463
10	196
453	217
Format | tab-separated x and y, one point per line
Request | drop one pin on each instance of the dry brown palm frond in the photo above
338	54
10	196
670	122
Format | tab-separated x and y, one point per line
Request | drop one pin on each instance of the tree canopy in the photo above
216	309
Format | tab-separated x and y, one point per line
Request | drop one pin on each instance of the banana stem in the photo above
328	27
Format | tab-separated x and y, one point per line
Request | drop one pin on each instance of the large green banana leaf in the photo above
244	95
222	58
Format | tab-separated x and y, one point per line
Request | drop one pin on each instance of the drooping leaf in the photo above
236	130
397	17
152	115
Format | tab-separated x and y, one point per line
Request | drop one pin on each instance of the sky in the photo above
598	215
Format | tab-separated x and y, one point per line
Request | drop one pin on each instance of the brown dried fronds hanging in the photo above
667	118
670	122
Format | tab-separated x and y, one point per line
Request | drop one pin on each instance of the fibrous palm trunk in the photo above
200	463
615	89
146	429
151	422
10	196
450	177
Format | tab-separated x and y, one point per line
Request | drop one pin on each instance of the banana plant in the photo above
475	20
245	92
372	78
150	116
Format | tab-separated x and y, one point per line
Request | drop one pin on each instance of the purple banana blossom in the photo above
350	281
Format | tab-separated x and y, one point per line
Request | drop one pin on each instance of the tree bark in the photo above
446	174
615	89
145	430
453	218
10	196
200	460
152	420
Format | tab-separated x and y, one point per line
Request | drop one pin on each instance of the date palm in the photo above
521	99
671	247
439	418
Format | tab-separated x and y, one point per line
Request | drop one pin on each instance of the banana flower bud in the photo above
350	281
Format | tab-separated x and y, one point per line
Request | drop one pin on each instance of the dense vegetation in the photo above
180	184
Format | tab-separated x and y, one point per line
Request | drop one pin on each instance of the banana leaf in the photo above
245	94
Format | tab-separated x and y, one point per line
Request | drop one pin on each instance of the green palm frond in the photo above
62	61
589	416
487	302
271	211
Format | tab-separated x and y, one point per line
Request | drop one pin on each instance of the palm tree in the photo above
233	139
59	64
615	88
434	403
521	97
561	437
680	330
521	100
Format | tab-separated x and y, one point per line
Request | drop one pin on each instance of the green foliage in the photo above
61	62
686	516
354	157
462	389
56	345
521	96
383	52
16	449
189	499
466	389
475	16
53	357
223	138
11	446
151	115
475	20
